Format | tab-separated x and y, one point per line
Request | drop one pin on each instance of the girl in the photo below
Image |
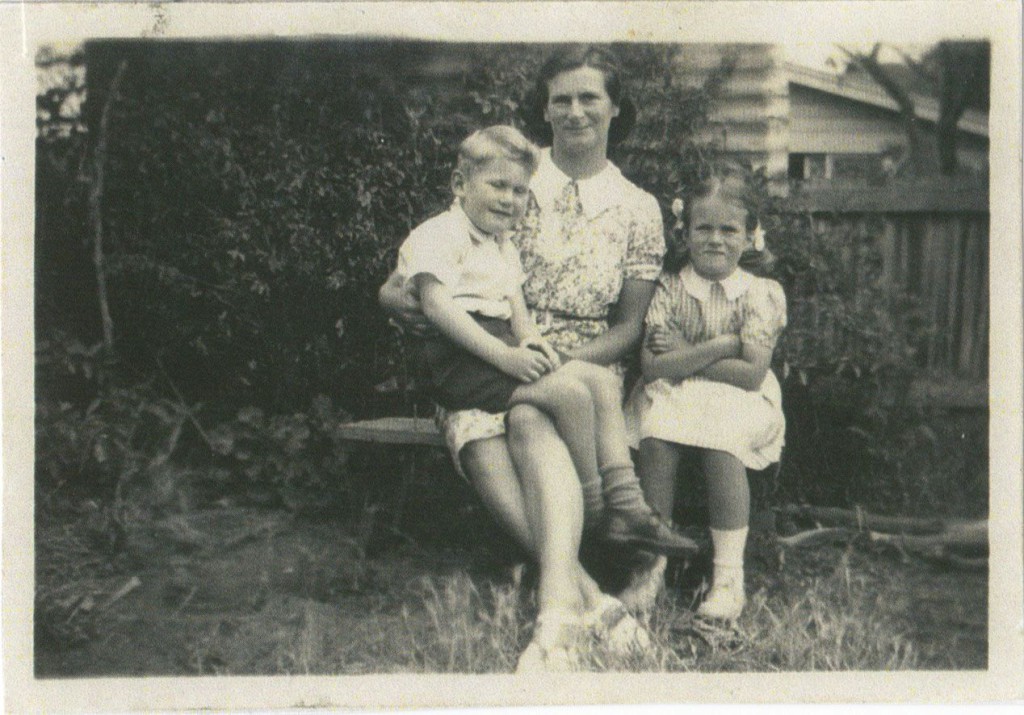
711	330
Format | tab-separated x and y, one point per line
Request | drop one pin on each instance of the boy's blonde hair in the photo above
500	141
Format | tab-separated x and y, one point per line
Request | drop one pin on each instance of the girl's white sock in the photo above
725	601
728	558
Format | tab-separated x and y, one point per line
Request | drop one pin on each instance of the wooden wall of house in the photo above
820	122
824	123
750	114
941	260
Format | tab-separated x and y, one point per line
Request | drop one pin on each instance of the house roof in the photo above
860	89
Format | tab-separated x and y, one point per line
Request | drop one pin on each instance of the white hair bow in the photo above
757	235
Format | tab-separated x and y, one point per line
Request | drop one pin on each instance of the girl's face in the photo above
716	237
579	109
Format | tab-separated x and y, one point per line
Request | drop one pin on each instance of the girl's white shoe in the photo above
611	624
724	602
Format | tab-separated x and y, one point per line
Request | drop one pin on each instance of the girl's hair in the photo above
571	58
500	141
730	182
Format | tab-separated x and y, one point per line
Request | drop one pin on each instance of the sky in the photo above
817	54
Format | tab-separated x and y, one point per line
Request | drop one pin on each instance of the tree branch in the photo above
96	213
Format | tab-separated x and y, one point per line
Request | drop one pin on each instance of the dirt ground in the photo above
246	591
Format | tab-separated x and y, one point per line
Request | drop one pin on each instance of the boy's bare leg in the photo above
606	394
631	520
569	404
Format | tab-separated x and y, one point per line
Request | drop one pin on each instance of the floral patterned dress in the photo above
579	241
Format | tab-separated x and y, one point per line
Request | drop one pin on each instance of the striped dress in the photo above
700	412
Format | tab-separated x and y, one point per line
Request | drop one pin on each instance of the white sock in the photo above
728	559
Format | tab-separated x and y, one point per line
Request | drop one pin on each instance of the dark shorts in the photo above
461	380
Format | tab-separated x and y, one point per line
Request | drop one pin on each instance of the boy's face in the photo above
493	195
716	237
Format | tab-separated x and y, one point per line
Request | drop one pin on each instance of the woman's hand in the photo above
660	341
544	347
525	364
405	312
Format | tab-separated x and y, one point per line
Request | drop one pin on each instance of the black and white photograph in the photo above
616	348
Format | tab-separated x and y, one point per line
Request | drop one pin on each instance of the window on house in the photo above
834	167
807	167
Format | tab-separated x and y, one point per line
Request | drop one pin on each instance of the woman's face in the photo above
579	109
716	237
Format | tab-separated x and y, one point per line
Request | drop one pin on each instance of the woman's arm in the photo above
627	324
746	372
456	324
687	359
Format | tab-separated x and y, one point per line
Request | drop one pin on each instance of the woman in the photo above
592	245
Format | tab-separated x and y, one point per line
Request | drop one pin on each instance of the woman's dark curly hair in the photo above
730	181
571	58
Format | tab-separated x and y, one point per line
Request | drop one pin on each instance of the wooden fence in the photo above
934	239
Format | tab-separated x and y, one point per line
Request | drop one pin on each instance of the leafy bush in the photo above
256	193
295	459
848	358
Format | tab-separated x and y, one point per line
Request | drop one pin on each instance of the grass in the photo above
263	592
838	622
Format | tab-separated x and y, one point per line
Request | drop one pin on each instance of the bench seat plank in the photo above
393	430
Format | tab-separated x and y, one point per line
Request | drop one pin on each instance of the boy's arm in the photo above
526	330
523	326
456	324
688	359
746	372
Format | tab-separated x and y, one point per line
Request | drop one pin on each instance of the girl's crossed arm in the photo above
746	372
452	321
673	358
723	359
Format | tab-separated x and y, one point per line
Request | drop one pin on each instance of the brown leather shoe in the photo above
647	530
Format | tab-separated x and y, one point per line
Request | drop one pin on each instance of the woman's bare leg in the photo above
553	503
493	474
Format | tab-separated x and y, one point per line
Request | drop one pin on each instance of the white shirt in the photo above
480	270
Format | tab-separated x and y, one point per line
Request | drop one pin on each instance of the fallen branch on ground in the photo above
860	519
957	543
815	537
971	537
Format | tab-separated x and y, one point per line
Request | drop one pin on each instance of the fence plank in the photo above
979	361
941	258
971	287
954	297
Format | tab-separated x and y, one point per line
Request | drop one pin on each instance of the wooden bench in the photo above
393	430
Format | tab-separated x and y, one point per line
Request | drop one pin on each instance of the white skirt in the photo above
711	415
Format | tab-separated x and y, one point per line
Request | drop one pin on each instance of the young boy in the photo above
489	354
